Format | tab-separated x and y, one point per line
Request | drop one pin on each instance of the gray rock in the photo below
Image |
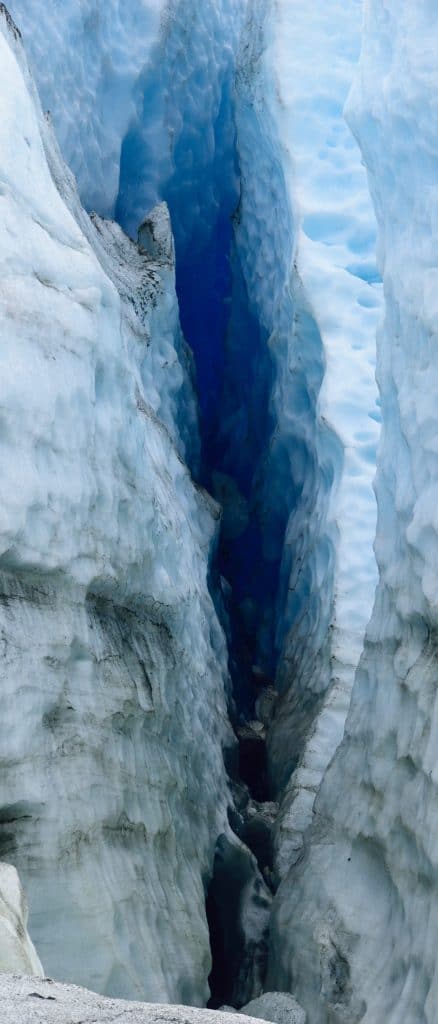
279	1007
155	235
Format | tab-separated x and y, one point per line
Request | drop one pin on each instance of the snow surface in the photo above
357	931
113	659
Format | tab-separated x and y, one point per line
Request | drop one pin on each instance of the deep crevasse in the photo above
146	106
171	131
112	654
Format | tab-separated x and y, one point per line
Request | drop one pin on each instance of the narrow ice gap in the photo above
221	322
283	447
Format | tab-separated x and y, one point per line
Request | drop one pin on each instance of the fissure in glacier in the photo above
220	320
268	282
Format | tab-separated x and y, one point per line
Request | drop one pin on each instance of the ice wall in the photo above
305	238
17	952
232	112
359	926
175	138
88	59
141	101
113	662
182	145
274	243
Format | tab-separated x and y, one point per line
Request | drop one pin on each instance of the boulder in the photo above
279	1007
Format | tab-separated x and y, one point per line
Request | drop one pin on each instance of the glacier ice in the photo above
357	931
281	249
88	60
305	237
17	952
114	660
112	655
225	120
140	98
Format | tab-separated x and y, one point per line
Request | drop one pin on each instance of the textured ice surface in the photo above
112	656
336	305
17	952
88	59
141	102
106	542
305	238
359	926
303	286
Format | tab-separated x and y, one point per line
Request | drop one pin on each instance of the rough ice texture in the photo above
135	92
112	656
142	108
33	1000
132	89
17	952
305	238
88	59
357	935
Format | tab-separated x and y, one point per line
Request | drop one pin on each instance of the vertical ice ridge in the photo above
305	236
112	657
356	934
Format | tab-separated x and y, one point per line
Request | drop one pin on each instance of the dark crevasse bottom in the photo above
234	377
239	957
